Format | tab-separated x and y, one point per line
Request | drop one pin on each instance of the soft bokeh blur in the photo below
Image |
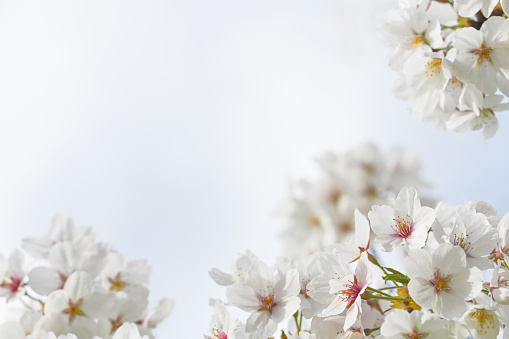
174	127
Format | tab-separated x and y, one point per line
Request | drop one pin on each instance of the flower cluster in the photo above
321	213
453	60
77	288
455	281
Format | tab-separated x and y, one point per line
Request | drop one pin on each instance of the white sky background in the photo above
173	127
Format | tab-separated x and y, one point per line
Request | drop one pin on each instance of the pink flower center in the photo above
440	281
11	284
403	226
220	334
352	291
267	301
462	241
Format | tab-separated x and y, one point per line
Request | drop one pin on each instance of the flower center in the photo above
313	221
220	334
483	53
116	283
433	67
462	241
11	284
440	281
414	40
267	301
73	310
351	292
415	335
403	226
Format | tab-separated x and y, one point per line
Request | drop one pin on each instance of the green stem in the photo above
372	296
295	315
378	291
388	288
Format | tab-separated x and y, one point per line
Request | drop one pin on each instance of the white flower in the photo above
442	281
331	267
348	291
482	323
418	324
269	298
468	8
80	298
240	266
120	275
12	274
412	33
483	54
482	116
473	233
426	71
62	229
308	270
407	223
222	325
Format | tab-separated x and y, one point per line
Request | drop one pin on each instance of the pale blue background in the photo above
173	127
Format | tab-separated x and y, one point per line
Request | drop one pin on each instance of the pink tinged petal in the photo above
221	278
260	325
362	230
57	302
243	296
79	285
44	280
